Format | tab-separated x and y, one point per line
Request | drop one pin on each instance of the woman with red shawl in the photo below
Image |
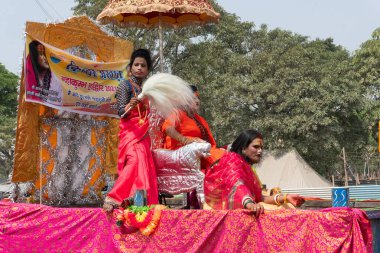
231	182
135	161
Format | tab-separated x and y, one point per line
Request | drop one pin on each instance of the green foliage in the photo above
89	8
8	112
366	66
8	92
140	209
301	93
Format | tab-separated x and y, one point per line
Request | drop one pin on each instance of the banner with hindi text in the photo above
60	80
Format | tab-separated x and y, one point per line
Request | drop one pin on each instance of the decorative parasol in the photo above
152	13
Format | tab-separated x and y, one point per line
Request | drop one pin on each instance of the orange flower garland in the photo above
138	220
146	219
154	222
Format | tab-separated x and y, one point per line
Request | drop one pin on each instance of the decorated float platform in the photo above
40	228
42	138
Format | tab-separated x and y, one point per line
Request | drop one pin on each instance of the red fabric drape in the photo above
229	182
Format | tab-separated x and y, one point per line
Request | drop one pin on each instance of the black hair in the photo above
33	52
143	53
243	141
193	88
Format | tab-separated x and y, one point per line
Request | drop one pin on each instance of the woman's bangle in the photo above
184	140
247	201
285	198
276	199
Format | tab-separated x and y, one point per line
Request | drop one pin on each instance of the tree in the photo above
366	66
8	112
299	93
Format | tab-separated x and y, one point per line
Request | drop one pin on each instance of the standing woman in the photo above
135	161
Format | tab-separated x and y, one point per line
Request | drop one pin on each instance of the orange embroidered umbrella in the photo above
152	13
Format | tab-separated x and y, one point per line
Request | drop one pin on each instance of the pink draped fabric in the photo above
38	228
135	161
229	182
30	80
30	75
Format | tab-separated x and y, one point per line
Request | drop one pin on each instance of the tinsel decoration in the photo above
70	154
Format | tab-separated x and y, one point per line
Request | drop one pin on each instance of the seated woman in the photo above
191	127
187	128
231	183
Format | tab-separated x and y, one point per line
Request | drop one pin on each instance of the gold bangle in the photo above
275	199
182	139
285	198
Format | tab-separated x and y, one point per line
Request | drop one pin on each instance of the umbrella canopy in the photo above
151	13
148	13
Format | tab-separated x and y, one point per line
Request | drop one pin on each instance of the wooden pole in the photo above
357	179
345	168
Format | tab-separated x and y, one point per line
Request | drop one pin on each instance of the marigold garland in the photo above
146	219
138	220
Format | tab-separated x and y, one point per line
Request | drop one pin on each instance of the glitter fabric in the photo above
178	170
73	151
38	228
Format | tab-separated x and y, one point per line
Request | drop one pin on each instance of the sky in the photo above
348	22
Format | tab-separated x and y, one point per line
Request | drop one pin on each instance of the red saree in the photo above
230	181
135	161
187	127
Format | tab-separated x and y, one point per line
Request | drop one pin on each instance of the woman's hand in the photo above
132	103
187	140
295	199
196	139
257	209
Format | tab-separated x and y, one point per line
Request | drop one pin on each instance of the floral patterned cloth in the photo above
38	228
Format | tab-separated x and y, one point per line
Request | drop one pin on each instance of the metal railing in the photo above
362	192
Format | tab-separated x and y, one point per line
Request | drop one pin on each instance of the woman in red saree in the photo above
135	161
232	184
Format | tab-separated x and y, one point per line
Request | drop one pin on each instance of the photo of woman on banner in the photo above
42	85
38	74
